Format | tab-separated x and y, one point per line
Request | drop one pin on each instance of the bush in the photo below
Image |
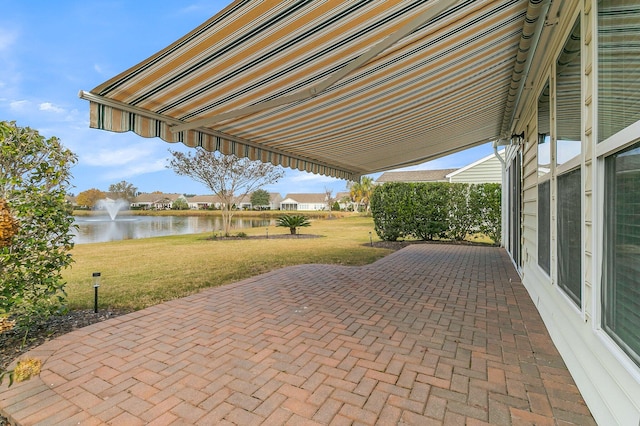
487	200
430	211
34	180
392	206
434	210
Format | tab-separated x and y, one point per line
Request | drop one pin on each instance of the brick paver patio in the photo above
432	334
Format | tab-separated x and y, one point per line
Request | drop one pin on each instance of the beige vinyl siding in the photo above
489	171
530	191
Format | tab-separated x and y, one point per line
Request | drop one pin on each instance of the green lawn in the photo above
141	273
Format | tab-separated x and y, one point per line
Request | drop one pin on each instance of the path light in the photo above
96	284
267	233
370	239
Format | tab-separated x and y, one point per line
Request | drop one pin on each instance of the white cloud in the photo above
19	106
136	169
297	176
118	157
48	106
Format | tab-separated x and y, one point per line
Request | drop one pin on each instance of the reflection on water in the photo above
96	229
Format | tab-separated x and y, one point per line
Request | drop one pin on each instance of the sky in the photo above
50	50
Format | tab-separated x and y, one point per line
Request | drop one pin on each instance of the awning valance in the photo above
335	88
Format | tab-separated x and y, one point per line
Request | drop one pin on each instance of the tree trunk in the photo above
293	231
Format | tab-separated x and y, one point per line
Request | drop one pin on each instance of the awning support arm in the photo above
311	92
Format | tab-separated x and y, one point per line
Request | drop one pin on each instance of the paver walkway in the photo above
432	334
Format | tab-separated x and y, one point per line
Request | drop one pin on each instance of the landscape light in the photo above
96	284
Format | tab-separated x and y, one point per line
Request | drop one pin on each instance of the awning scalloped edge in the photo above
104	115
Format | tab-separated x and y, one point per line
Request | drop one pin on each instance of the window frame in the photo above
614	143
544	179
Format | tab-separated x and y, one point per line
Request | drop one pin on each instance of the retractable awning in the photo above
340	88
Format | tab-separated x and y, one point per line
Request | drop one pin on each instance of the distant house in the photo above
310	202
274	201
246	204
344	200
485	170
204	202
156	201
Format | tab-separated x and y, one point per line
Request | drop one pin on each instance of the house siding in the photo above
608	380
488	171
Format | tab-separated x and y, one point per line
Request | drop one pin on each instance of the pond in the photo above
97	229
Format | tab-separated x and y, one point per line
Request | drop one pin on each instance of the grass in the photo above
145	272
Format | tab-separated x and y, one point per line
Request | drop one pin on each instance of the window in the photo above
618	65
568	145
569	235
621	286
544	132
514	176
544	219
568	98
544	184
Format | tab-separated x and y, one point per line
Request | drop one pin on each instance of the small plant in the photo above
26	369
241	234
293	222
8	373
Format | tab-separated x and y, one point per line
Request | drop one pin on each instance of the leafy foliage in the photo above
486	200
6	373
180	204
226	175
361	192
293	222
430	205
34	177
260	198
90	197
123	190
435	210
461	220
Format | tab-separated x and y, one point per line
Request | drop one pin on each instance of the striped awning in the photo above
340	88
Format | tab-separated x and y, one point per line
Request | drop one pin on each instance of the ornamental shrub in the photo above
392	207
293	222
34	178
435	210
462	220
487	199
430	211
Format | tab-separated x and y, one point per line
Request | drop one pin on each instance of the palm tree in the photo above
292	222
361	192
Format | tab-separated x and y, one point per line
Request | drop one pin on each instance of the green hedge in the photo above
436	210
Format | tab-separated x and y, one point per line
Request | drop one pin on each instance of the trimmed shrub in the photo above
436	210
391	206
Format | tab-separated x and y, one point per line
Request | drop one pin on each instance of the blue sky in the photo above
50	50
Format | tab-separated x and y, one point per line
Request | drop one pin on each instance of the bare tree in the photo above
329	199
226	176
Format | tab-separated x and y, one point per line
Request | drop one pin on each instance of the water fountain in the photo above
112	206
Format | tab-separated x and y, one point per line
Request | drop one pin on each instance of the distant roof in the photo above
416	176
156	197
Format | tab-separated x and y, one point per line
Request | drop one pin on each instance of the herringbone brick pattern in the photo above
432	334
